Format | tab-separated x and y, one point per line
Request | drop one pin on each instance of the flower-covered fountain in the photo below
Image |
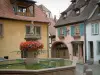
31	47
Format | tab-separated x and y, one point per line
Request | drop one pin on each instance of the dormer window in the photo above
64	15
23	7
98	3
77	11
98	7
73	1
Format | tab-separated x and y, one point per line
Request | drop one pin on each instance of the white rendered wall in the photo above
94	38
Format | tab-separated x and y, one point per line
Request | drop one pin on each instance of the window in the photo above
98	7
64	16
95	28
73	1
22	9
35	29
98	46
77	30
14	9
61	31
1	29
77	12
99	10
28	29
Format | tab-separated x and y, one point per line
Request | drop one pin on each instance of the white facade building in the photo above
93	41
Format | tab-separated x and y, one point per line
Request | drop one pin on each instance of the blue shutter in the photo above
72	30
81	29
65	31
58	29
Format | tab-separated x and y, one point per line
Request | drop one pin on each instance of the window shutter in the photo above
81	29
58	29
65	31
72	30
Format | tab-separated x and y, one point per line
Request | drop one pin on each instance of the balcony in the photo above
77	35
29	37
61	36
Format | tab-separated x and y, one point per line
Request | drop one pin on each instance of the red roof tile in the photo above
52	29
6	11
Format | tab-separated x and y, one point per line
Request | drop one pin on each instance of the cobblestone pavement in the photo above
94	67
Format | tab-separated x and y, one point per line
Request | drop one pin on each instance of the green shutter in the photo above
72	30
58	29
65	31
81	29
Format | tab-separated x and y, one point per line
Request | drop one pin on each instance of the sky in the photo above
55	6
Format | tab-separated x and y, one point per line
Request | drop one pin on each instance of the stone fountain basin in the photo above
59	70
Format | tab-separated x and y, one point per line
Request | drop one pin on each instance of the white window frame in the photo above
94	30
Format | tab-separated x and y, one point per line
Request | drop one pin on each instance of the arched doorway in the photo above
59	50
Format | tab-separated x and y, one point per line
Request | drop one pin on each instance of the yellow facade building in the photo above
17	19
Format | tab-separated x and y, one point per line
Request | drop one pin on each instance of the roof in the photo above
52	29
96	14
86	8
44	8
6	11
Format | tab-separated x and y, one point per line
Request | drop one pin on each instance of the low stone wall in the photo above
66	70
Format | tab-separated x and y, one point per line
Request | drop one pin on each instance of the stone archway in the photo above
59	50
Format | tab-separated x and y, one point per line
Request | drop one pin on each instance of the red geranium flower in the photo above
31	45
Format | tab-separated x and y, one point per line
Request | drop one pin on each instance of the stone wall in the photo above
66	70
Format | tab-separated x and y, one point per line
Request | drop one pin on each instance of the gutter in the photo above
85	57
48	41
24	20
68	24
